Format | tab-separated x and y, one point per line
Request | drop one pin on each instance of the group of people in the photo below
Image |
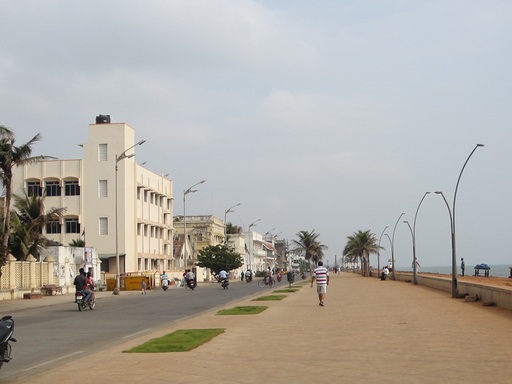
84	282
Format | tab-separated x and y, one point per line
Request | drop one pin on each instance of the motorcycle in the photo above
82	304
6	332
191	283
224	283
165	285
248	278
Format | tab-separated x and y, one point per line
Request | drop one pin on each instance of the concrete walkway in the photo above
369	331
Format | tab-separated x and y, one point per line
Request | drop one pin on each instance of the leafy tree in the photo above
28	221
309	246
233	229
10	157
77	243
359	246
219	257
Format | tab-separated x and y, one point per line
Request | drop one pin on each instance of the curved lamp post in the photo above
413	232
393	248
185	193
118	159
378	251
390	242
226	213
251	242
455	291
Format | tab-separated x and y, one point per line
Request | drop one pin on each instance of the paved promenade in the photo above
369	331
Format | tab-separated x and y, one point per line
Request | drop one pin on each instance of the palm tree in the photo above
233	229
28	221
359	246
309	245
10	157
77	243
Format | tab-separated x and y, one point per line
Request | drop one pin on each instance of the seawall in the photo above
486	292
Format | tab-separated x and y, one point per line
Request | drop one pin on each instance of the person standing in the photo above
462	265
143	285
321	276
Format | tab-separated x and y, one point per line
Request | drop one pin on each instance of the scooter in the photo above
165	285
224	283
6	332
82	304
191	283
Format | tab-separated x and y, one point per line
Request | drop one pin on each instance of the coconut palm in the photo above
309	246
359	246
28	220
10	157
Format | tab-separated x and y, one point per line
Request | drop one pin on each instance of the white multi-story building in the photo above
117	206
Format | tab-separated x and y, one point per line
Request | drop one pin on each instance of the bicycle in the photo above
265	281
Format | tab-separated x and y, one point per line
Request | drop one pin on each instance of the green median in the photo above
182	340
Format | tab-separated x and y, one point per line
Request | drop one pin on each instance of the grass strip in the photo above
270	298
243	310
182	340
286	290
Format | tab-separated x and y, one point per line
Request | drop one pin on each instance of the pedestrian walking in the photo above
143	286
321	276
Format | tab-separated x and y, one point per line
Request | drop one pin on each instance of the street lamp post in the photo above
414	260
455	292
118	159
413	257
226	213
378	251
185	193
393	248
251	242
390	242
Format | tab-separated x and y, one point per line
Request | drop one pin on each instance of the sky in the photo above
332	116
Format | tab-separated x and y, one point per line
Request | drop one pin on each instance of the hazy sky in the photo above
331	116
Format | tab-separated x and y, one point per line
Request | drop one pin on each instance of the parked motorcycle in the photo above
191	283
165	285
6	332
82	304
225	283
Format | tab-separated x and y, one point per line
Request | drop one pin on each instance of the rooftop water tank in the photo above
103	119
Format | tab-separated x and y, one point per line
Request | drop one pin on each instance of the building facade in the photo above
115	205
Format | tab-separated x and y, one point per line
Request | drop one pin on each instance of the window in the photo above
104	226
34	189
71	188
53	226
72	225
102	152
52	188
102	188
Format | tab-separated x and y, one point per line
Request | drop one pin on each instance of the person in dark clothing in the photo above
80	283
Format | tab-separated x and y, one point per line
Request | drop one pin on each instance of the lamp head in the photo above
439	192
480	145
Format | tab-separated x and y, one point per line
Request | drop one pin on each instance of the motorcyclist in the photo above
190	276
164	279
248	275
223	275
80	283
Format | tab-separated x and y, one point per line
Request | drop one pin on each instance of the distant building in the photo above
202	231
87	188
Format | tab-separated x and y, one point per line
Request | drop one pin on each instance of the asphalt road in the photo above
50	335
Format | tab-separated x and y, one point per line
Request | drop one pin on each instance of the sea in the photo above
502	270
